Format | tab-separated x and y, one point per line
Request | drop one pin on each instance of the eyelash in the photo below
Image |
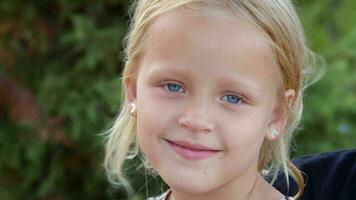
240	99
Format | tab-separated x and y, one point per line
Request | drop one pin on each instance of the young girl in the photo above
212	93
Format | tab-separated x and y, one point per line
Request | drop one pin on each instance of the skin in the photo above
225	81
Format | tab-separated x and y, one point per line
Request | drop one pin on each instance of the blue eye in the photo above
233	99
173	87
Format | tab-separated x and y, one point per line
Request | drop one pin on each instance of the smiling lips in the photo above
191	151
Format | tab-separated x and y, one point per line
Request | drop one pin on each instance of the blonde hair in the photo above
278	21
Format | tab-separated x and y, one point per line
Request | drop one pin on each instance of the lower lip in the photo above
191	154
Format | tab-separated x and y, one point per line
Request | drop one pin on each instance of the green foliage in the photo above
330	105
61	58
59	87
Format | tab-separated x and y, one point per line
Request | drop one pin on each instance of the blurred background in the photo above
59	88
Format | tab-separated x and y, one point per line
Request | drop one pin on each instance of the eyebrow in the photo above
226	81
251	90
167	70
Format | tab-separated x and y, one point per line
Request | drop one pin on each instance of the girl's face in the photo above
206	96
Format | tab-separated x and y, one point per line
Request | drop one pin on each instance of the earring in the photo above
264	172
274	133
133	108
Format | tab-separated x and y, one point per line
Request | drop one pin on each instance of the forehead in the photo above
218	44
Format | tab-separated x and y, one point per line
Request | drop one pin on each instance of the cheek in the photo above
148	131
155	112
154	120
246	132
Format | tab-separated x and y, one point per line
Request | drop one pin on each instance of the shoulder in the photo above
343	158
162	196
338	168
329	175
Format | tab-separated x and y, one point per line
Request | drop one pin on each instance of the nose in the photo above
196	119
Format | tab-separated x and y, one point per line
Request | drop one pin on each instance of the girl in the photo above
212	93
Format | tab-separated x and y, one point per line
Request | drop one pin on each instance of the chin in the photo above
189	186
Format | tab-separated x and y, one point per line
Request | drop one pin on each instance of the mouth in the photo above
191	151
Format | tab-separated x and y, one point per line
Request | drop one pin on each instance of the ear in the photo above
280	116
130	86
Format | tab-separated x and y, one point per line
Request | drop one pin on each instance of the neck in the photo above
247	187
259	189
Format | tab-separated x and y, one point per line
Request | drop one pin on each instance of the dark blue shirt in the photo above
327	176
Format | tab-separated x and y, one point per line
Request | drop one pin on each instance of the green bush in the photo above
330	105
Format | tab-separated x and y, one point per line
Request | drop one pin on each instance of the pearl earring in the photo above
274	133
133	108
264	172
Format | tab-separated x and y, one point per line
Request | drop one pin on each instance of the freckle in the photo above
204	172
